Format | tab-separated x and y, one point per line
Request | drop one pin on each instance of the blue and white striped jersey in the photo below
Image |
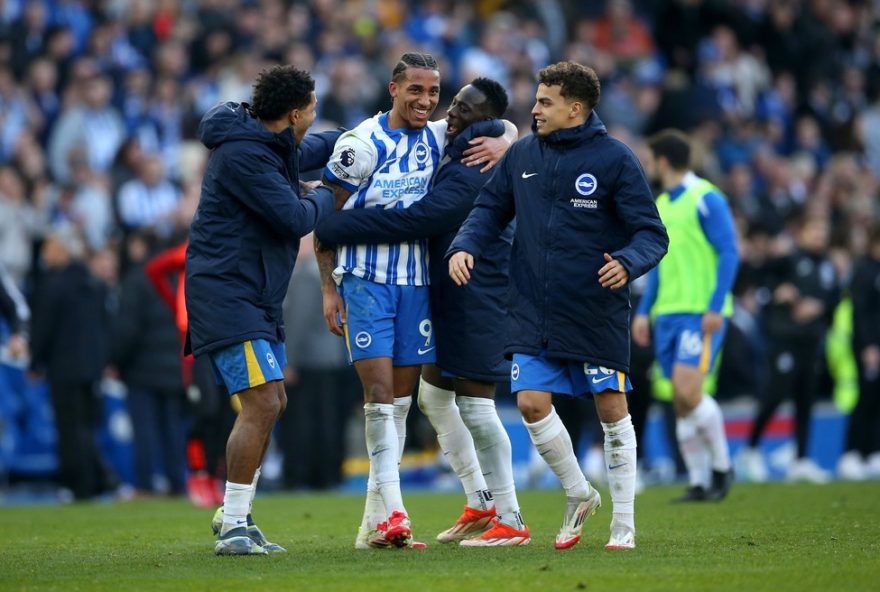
386	168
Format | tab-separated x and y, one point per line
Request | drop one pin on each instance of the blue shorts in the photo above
249	364
679	339
564	377
387	321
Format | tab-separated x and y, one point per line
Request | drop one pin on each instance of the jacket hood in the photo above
231	121
491	128
591	128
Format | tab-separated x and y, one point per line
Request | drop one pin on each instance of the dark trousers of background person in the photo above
311	433
640	398
213	418
578	415
863	433
78	411
159	446
792	376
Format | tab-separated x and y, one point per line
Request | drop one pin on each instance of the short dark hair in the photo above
414	60
496	96
674	146
576	81
279	90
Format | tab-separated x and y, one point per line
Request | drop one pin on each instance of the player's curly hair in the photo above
413	60
577	82
496	96
279	90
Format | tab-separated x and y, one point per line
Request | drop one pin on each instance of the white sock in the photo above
253	494
381	437
710	422
374	508
693	450
235	506
456	442
620	461
401	410
494	453
554	444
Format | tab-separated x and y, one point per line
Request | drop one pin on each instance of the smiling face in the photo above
468	106
302	119
414	97
553	112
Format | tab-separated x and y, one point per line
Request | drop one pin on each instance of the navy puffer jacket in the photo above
245	235
576	194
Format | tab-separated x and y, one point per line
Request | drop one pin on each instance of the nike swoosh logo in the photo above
526	176
612	467
603	379
379	451
424	351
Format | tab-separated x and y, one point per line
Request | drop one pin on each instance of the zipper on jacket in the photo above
548	235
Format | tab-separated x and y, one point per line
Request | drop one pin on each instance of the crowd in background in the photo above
100	169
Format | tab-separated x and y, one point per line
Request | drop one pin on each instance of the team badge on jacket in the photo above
586	184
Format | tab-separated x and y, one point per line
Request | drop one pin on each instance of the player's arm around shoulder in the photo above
316	148
489	150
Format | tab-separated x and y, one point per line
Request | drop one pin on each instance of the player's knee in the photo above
686	400
378	393
282	401
531	409
261	404
433	400
611	407
476	412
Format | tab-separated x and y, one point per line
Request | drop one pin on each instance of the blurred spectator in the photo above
869	127
21	223
70	345
92	128
42	83
321	386
17	113
148	201
145	350
805	289
622	34
14	322
862	446
28	36
84	202
212	415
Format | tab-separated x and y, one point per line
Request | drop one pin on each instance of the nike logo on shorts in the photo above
527	175
603	379
424	351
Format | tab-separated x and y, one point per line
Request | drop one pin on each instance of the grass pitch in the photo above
763	537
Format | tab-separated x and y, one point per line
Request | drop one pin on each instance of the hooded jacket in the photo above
576	194
245	235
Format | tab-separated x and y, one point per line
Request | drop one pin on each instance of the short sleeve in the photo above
352	161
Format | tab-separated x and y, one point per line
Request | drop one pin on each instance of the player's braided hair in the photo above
577	82
279	90
414	60
496	96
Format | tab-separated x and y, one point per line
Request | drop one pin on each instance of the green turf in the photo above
768	537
